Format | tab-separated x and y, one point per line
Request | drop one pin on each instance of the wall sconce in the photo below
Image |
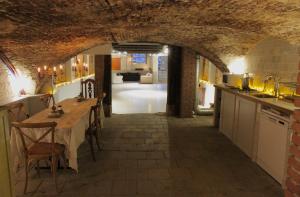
47	72
42	73
54	71
61	69
74	67
85	67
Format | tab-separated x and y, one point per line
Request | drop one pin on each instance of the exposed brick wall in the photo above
293	180
188	78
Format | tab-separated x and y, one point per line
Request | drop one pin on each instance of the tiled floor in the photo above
151	155
128	98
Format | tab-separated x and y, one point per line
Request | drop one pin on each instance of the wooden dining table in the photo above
70	129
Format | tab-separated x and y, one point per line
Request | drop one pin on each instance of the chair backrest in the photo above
47	99
16	112
88	88
46	128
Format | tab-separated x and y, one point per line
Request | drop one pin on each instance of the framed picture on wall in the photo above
139	58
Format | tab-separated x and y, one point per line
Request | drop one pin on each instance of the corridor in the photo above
152	155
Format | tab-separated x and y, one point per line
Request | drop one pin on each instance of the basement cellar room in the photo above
150	98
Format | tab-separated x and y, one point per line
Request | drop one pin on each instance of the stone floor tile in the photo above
127	187
159	174
149	163
136	155
128	163
146	187
153	155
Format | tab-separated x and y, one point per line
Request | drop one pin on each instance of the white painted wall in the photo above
68	90
155	68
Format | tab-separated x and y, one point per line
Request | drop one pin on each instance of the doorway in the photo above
139	81
207	75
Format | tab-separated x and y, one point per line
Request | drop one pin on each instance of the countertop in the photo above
273	102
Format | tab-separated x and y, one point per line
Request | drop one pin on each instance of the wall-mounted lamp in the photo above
237	66
42	73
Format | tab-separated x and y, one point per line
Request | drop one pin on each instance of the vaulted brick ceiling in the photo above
47	32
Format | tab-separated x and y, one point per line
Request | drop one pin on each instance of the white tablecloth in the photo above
70	129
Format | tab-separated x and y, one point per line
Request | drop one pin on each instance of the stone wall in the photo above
10	85
273	56
188	80
6	89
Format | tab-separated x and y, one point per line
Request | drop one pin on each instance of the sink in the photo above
263	96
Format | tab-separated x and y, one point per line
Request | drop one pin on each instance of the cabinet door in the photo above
227	114
245	124
5	172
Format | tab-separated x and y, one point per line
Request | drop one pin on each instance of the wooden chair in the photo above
100	112
16	112
37	149
94	127
47	99
88	88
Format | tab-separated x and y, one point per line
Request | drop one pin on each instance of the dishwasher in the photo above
273	142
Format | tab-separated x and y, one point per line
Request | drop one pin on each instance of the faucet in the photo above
276	83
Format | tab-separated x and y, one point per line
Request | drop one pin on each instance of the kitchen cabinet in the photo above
245	120
227	114
6	186
261	128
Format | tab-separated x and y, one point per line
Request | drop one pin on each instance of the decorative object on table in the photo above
47	99
37	150
88	88
60	109
54	113
80	97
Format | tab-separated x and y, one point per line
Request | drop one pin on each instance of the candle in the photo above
60	67
39	69
54	68
45	67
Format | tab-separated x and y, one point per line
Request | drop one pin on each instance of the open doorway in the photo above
139	79
207	75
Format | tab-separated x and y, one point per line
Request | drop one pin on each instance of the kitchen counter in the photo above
272	102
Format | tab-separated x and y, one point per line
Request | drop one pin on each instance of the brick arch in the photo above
47	33
198	49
